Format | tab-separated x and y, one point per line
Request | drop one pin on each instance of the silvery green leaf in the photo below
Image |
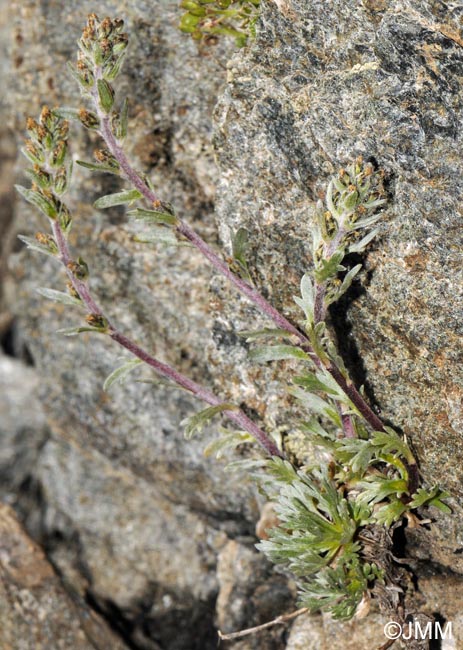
35	246
366	222
432	497
105	94
107	169
329	268
73	331
375	203
110	72
38	200
306	303
120	374
246	466
197	422
159	235
359	246
330	203
67	113
229	440
347	281
277	353
316	404
314	428
33	159
59	296
390	513
390	441
154	216
119	198
310	381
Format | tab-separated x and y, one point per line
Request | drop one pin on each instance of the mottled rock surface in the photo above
35	610
156	537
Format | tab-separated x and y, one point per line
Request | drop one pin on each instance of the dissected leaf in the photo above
432	497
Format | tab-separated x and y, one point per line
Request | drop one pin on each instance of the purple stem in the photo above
218	263
237	416
346	423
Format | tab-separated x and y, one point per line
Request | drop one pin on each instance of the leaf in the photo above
107	169
119	198
105	94
228	440
432	497
159	235
347	281
366	222
277	353
282	471
316	405
46	206
377	487
34	245
59	296
240	245
321	436
356	453
328	268
120	374
67	113
390	513
154	216
306	303
73	331
196	423
390	441
360	246
311	382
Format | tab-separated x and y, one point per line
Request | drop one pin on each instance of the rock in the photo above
251	593
22	426
35	610
322	633
122	498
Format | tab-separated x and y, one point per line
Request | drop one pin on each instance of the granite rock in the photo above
35	610
136	518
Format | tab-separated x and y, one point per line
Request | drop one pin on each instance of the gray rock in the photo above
22	426
323	83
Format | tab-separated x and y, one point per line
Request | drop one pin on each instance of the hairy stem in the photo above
236	415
